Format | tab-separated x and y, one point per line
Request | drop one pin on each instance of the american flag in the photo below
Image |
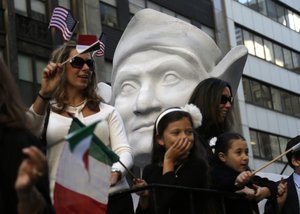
100	51
64	21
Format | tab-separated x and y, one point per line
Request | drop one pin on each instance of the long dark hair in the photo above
12	109
197	152
207	97
61	54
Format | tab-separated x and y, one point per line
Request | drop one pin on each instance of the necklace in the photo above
76	110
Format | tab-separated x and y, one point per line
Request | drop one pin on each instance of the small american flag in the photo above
64	21
100	51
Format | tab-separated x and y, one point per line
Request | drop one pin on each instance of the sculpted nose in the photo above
147	102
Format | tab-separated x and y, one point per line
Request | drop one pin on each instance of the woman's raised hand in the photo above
50	79
179	150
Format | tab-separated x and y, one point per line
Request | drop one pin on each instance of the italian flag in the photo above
83	175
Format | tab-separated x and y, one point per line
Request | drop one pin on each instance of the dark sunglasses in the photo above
225	99
78	62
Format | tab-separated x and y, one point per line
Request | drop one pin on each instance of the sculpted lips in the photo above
143	127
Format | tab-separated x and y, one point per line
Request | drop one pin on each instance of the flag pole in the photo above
131	173
79	53
275	159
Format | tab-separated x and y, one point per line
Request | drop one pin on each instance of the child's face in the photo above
237	156
179	129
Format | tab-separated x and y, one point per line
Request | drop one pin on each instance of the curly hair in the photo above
60	55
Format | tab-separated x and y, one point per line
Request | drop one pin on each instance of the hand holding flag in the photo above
64	21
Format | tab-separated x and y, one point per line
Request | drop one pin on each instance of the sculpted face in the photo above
157	64
147	83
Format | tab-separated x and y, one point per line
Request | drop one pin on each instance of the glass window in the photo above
238	36
281	15
64	3
262	8
278	55
256	92
266	98
287	54
38	10
290	20
40	65
139	3
274	142
276	99
20	6
286	102
259	48
253	4
247	90
25	68
296	60
295	105
245	2
254	143
108	15
282	144
265	145
269	53
271	10
297	22
248	41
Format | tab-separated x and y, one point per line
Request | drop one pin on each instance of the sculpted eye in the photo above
171	78
128	87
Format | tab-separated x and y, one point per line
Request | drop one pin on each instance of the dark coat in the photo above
291	205
190	174
223	178
12	141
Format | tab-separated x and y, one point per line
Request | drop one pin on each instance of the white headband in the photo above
189	108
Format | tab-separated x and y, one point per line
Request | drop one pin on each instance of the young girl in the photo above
176	160
231	173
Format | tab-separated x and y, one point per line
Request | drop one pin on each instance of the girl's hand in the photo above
137	182
261	192
281	192
179	150
249	193
243	178
50	79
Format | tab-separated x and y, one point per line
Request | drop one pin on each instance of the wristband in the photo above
44	98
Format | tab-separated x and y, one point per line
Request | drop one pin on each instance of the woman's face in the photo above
176	130
225	104
79	70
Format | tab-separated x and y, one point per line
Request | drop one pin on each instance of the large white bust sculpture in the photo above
157	64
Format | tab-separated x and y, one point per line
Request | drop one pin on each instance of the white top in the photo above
110	130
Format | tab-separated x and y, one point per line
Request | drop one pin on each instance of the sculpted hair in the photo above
60	55
207	97
158	151
11	107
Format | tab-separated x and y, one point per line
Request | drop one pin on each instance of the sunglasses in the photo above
78	62
225	99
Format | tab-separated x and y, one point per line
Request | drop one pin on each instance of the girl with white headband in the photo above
176	160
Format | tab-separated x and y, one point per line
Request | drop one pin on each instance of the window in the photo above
35	9
248	41
259	47
276	99
64	3
108	15
278	55
288	62
271	9
267	146
264	95
25	68
269	53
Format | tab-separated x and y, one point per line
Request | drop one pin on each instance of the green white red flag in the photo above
78	190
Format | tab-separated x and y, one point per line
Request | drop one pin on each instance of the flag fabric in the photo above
93	47
77	189
64	21
80	141
84	41
102	41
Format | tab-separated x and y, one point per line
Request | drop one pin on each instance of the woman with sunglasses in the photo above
70	88
214	99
